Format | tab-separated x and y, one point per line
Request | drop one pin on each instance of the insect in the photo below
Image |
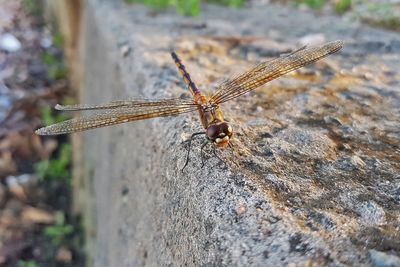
217	130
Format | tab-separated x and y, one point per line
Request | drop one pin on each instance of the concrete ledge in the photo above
311	180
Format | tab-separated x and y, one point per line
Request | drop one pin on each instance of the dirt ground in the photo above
36	227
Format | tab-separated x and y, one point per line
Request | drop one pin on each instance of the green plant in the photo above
58	39
32	6
48	117
381	15
159	4
27	264
342	6
314	3
57	168
55	66
230	3
186	7
59	231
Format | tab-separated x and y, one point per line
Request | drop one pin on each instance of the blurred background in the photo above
37	224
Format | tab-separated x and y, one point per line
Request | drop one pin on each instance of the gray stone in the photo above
313	192
381	259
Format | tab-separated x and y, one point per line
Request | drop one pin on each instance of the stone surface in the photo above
313	178
380	259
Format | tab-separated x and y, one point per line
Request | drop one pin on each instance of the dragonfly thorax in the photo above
219	133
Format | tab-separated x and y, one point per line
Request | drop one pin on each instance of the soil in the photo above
36	226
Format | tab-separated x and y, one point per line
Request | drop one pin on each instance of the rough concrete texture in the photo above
313	178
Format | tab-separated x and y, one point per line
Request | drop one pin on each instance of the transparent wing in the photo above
118	112
270	70
131	103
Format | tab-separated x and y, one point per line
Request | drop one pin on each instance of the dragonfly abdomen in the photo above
186	76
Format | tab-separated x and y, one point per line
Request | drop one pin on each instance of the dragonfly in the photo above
216	129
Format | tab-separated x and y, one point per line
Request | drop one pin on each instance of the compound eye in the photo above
227	129
212	132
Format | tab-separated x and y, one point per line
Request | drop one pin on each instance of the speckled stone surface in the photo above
313	178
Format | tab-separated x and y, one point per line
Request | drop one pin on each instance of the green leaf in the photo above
29	263
314	3
188	7
58	39
342	6
236	3
57	168
49	117
59	231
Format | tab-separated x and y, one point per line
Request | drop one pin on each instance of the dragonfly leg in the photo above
190	145
216	155
202	153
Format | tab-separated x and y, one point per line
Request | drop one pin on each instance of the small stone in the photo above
241	209
356	160
344	146
268	152
371	213
259	109
46	42
351	163
125	50
381	259
368	76
266	254
15	188
36	215
332	120
124	191
185	136
64	255
7	164
9	43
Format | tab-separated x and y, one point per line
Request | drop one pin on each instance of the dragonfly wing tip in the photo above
44	131
338	43
40	131
59	107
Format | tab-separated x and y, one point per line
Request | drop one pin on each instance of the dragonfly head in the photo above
220	133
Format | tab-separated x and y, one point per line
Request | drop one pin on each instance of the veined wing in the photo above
131	103
270	70
118	112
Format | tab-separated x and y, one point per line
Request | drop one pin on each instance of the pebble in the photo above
9	43
46	42
381	259
37	215
332	120
241	209
357	161
259	109
125	50
64	255
15	187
